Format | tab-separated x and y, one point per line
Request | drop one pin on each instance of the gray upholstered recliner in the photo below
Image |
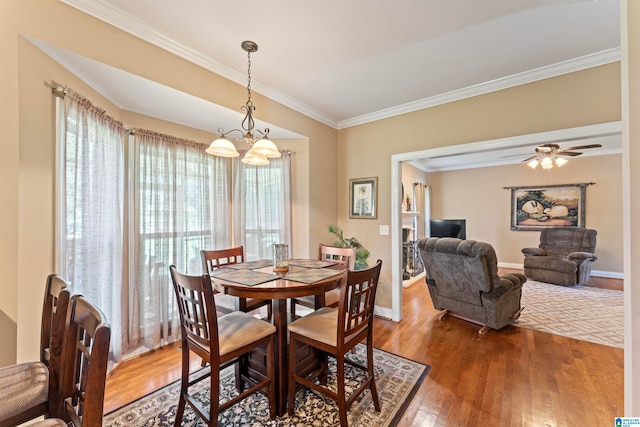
462	277
563	257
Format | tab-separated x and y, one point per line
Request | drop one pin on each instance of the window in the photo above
130	206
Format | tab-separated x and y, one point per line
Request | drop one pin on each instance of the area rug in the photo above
397	380
580	312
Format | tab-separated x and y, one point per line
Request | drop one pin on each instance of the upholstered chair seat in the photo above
25	385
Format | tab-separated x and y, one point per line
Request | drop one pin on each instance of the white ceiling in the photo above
351	62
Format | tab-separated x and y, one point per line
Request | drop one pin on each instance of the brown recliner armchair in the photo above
462	277
563	257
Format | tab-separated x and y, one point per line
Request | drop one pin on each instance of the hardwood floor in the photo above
511	377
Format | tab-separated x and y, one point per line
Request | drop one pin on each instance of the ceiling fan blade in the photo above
529	159
581	147
568	153
515	155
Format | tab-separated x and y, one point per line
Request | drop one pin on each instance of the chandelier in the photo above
261	148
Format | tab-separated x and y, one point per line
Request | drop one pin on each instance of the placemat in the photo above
312	275
247	277
312	263
251	265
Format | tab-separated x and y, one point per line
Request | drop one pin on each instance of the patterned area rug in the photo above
397	380
581	312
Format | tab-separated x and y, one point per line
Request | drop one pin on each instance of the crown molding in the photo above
132	25
126	22
560	68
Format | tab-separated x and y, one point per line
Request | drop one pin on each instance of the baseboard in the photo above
412	280
595	273
385	312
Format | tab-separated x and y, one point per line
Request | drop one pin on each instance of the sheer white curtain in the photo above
180	206
262	206
92	213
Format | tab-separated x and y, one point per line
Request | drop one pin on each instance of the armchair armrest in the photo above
579	257
512	280
534	252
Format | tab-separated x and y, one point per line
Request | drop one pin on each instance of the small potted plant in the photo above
341	242
407	198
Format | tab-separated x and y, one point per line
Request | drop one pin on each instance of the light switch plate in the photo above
384	230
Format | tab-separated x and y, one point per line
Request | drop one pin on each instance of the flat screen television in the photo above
448	228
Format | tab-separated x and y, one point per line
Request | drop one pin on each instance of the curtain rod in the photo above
60	91
582	184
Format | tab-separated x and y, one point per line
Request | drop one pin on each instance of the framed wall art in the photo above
539	207
363	198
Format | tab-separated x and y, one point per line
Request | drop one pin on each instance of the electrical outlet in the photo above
384	230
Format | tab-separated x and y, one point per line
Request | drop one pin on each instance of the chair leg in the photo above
184	385
241	369
271	358
325	368
342	398
293	309
372	386
214	405
291	389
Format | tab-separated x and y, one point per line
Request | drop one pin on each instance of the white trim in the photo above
553	70
385	312
415	279
132	25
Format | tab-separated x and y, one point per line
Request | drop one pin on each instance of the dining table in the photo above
257	279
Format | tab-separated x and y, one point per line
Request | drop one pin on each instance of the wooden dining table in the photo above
303	278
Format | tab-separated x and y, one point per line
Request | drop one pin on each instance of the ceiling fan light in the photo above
546	163
222	147
255	159
560	161
265	148
533	163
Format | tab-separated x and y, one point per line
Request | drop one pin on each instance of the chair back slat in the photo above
214	259
86	353
357	301
196	308
345	256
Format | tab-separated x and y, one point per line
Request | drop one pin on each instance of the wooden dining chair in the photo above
345	256
336	332
214	259
220	342
84	367
32	389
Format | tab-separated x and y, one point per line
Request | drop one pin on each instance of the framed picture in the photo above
363	198
536	208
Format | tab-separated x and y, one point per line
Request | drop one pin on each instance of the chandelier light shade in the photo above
261	148
255	159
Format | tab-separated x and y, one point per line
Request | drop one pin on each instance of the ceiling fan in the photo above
548	155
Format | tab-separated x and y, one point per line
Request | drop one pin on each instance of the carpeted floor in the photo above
581	312
397	380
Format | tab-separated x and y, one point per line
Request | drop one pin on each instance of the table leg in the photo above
280	322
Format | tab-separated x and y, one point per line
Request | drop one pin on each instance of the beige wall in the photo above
27	136
478	196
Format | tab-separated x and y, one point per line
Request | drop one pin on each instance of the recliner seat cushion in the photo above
558	264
